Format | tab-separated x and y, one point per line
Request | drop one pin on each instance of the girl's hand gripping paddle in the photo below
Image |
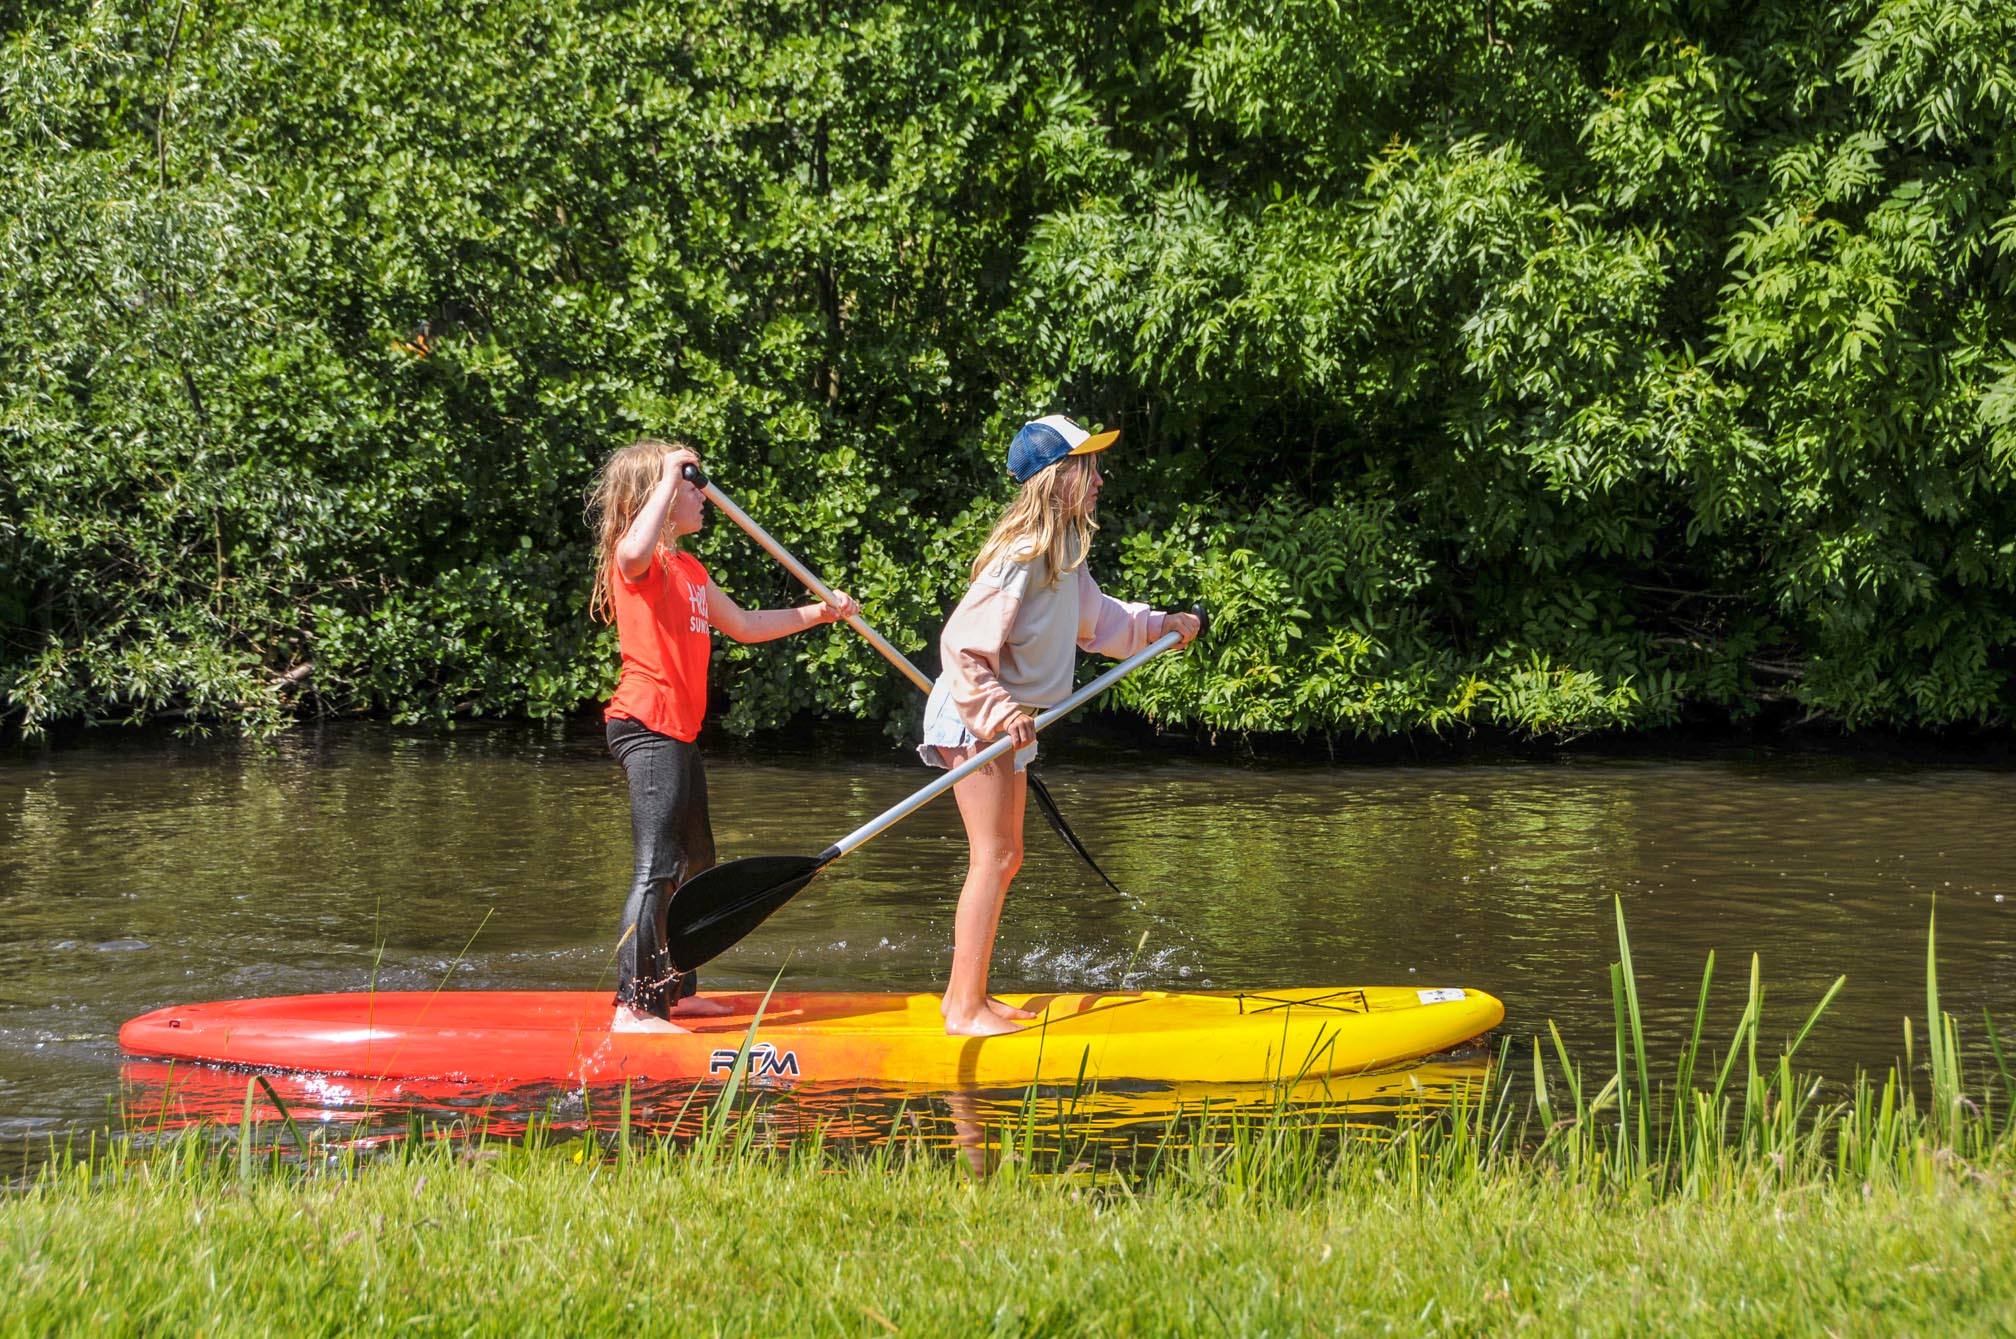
698	478
714	909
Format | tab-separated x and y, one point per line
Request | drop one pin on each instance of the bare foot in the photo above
699	1006
630	1018
999	1010
983	1023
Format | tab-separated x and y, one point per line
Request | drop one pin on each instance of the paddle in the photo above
715	908
698	478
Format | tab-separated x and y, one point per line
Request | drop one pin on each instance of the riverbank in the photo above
517	1241
1097	732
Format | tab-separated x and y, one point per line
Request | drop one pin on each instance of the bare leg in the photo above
992	802
696	1006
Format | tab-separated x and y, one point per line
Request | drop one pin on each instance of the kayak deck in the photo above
512	1037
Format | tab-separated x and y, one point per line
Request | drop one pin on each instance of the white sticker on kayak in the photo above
1448	996
765	1062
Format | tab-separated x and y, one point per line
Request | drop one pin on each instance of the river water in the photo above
140	871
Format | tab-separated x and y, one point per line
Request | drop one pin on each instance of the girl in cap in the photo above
663	604
1008	651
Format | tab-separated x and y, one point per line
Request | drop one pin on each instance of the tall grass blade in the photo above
1683	1079
285	1115
1540	1099
724	1105
245	1133
1814	1017
2001	1060
623	1128
1636	1016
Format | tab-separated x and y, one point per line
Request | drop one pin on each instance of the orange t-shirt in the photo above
661	623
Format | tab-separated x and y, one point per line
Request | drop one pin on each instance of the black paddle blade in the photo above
712	910
1063	829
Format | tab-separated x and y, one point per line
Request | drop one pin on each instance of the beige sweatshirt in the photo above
1012	641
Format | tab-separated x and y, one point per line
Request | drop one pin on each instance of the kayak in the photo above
523	1037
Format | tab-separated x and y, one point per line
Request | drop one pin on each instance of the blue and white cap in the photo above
1048	440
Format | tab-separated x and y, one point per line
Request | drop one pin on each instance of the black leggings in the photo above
668	824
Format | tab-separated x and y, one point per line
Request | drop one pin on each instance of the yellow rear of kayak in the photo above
512	1037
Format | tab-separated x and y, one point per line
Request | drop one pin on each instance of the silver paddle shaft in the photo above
997	748
812	582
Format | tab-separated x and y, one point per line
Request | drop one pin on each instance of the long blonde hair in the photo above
621	487
1044	521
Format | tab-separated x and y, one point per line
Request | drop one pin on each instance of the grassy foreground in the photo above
533	1243
1726	1196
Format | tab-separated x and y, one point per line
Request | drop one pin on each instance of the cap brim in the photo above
1098	441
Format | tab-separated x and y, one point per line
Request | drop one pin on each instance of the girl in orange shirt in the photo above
663	604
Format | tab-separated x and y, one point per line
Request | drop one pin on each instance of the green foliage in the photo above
1541	367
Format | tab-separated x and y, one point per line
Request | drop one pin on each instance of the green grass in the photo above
525	1243
1720	1195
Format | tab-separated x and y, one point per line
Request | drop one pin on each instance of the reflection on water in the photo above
1097	1124
136	873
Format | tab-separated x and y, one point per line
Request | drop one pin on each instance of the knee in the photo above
1002	861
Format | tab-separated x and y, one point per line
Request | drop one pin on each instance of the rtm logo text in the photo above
765	1062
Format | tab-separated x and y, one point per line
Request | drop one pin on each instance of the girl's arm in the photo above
640	542
971	651
767	625
1116	628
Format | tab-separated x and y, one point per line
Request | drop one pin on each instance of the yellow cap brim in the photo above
1098	441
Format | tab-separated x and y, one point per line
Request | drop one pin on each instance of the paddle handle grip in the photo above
997	748
698	478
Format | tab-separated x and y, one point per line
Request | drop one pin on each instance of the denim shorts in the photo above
944	730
